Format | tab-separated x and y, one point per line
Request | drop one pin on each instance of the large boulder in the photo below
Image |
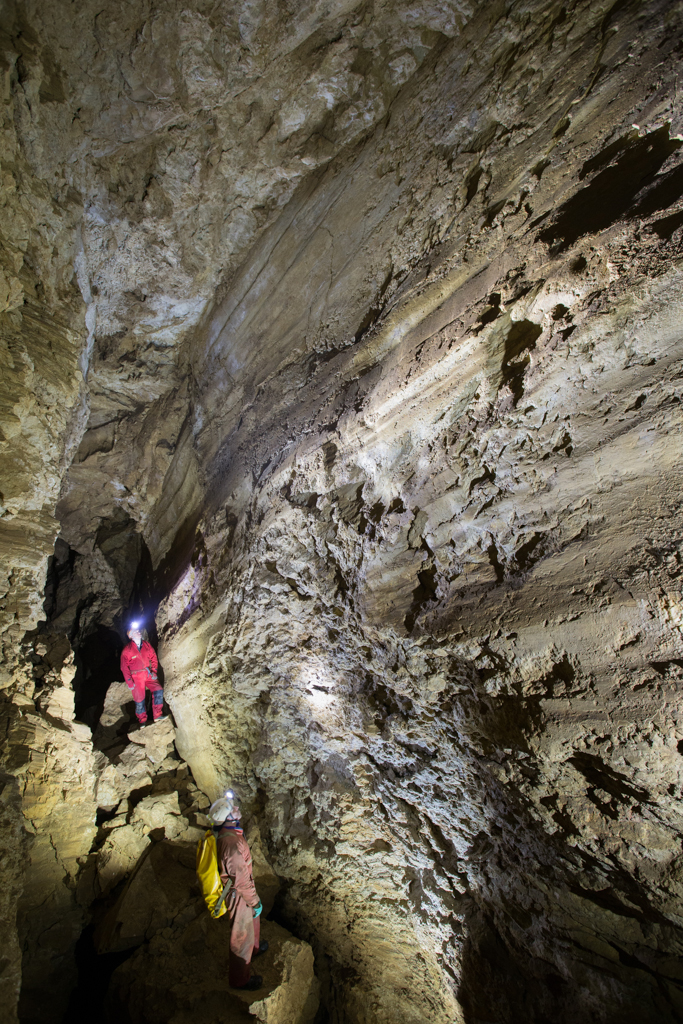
156	739
160	889
117	714
160	810
133	769
181	977
290	993
110	788
119	855
134	764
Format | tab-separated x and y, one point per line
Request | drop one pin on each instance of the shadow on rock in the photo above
502	984
179	971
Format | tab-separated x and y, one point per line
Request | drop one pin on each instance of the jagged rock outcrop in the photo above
50	759
58	780
489	471
183	976
353	333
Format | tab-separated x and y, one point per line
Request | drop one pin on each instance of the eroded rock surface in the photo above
451	583
356	333
52	764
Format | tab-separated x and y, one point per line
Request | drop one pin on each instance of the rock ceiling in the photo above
357	329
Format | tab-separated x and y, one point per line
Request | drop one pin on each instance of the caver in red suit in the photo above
139	665
234	861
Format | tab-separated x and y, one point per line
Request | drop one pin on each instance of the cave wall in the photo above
43	412
432	619
363	323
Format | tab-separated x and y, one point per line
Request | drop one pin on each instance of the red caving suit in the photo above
139	669
234	861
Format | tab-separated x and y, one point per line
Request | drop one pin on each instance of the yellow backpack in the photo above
213	890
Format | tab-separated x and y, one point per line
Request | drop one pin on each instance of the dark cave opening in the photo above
95	619
87	1000
98	666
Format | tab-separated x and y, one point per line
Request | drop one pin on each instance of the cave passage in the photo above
342	346
96	613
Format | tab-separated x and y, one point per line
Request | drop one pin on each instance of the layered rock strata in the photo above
380	318
443	598
50	764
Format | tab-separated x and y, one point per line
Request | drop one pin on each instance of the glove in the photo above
257	909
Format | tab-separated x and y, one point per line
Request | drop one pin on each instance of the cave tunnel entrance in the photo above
90	598
94	608
97	660
88	999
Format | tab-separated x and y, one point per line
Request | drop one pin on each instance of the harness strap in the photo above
226	889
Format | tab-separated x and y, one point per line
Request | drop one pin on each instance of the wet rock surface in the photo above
352	334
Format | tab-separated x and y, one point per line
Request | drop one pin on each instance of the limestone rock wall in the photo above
127	195
361	326
184	132
51	771
431	620
43	412
43	333
13	852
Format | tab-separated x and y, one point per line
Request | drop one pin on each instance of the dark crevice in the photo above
423	595
520	341
612	192
87	1002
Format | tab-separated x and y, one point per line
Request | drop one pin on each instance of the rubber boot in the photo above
158	704
253	984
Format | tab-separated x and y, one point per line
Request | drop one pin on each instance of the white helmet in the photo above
223	808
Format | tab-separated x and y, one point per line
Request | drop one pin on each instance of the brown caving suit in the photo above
234	861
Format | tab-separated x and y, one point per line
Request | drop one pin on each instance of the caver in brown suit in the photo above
234	861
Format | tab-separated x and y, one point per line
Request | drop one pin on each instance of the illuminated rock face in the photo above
381	317
53	763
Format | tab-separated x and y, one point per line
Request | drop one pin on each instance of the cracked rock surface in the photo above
347	340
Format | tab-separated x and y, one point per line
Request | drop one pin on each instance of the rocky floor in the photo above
129	881
146	853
